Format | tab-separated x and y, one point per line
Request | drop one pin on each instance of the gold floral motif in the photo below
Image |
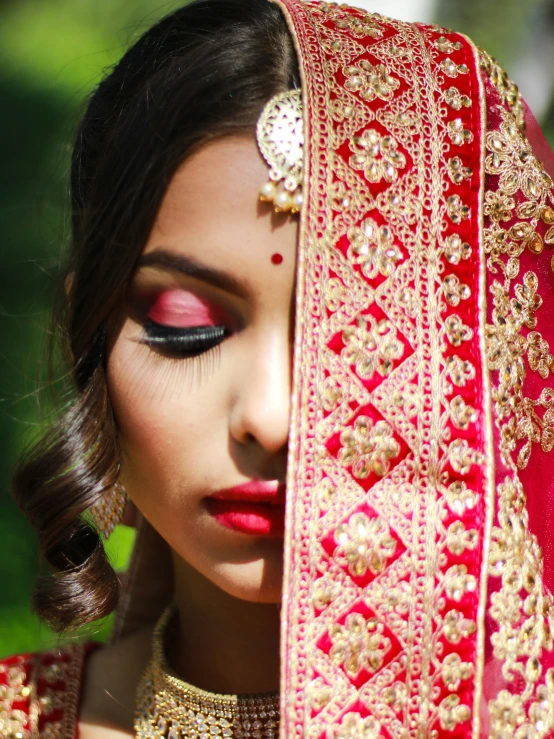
456	100
319	694
451	69
335	293
458	538
457	210
396	696
325	592
458	134
458	627
462	456
460	371
359	644
538	354
446	46
373	248
364	544
455	250
461	413
340	196
368	447
456	331
452	712
377	156
459	497
498	207
511	158
524	612
454	290
353	726
453	671
370	81
457	582
372	345
457	172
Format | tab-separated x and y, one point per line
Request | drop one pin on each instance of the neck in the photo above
223	644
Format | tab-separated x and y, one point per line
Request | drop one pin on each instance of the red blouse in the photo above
40	693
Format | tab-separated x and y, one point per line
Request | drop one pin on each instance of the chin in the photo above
255	582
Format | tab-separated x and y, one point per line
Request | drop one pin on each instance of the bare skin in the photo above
189	428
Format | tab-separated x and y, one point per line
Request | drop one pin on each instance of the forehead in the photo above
212	211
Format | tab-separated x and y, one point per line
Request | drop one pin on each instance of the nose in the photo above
261	411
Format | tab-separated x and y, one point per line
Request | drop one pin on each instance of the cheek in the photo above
166	423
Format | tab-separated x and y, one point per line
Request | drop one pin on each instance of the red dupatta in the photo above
416	600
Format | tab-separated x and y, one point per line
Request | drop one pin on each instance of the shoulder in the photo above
40	692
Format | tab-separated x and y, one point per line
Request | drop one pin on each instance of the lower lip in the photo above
256	519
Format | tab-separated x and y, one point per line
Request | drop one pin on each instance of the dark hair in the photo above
203	72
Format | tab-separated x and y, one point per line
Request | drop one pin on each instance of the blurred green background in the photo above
52	53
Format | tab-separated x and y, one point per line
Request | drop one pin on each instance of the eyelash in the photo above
183	342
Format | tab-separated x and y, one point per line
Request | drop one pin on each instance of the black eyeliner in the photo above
190	340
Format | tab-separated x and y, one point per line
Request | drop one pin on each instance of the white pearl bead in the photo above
283	201
267	192
297	201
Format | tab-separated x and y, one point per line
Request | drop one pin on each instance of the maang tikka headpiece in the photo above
280	137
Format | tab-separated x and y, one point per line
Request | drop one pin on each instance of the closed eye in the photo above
182	342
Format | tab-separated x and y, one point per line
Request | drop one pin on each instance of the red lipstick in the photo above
256	508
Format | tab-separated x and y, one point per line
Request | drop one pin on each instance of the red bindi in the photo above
277	258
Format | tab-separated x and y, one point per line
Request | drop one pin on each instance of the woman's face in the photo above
200	373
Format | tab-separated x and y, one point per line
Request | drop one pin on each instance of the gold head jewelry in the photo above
280	137
169	708
108	512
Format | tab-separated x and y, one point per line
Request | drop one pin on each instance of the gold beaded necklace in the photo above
169	708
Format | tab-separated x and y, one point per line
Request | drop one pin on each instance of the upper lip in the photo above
255	491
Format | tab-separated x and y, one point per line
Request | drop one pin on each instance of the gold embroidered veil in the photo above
418	562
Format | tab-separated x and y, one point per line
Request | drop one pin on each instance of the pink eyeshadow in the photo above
182	309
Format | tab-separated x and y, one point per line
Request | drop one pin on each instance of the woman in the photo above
410	300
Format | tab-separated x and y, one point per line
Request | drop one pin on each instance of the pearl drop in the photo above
297	201
283	201
267	192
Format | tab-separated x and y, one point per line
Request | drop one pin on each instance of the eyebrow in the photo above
173	262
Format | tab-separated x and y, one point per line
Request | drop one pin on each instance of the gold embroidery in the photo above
372	346
453	671
456	100
398	447
353	726
372	247
62	692
455	250
368	447
359	644
451	69
370	81
452	712
508	91
447	46
364	544
377	156
457	172
498	207
454	290
457	627
458	134
457	210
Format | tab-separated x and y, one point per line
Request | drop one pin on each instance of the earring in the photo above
108	512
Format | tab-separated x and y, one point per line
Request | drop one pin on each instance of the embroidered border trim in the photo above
384	530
